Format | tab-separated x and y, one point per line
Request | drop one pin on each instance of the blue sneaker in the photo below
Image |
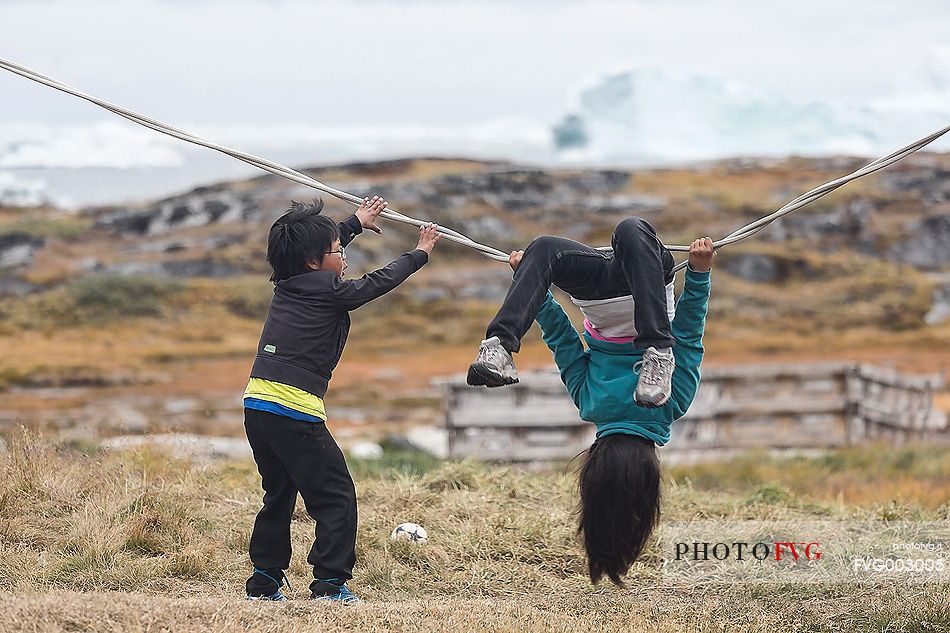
344	595
265	584
277	596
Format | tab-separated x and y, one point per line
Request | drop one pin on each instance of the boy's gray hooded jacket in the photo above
308	320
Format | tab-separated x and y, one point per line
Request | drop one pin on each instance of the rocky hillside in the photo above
145	318
901	216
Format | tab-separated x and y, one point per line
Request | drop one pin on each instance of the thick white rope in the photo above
391	214
261	163
806	198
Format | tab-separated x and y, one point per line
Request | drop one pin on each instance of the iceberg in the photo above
19	192
658	115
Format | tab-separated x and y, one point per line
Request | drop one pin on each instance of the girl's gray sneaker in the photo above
493	367
656	377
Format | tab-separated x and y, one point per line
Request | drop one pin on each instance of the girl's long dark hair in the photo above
619	503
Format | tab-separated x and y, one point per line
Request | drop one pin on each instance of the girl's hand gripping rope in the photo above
369	210
514	260
701	254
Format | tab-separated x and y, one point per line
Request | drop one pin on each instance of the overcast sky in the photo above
383	63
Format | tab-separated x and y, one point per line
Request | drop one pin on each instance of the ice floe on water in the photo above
20	192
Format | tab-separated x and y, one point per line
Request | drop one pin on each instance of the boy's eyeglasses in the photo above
342	253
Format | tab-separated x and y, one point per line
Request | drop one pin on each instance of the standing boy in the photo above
284	416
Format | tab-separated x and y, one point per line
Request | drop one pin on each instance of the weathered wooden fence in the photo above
798	407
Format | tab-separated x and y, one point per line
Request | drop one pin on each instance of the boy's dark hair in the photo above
620	503
299	237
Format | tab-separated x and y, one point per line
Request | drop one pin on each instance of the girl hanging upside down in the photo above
639	373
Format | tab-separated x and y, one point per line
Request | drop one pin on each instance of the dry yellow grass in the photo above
712	610
137	541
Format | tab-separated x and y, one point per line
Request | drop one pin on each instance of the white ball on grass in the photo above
366	450
411	532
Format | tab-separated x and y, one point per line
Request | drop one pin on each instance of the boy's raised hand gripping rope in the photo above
493	253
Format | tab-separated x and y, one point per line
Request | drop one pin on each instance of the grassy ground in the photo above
137	541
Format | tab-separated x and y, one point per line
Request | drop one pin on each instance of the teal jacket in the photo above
601	379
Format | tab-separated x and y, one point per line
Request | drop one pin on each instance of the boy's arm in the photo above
349	228
687	328
352	294
562	339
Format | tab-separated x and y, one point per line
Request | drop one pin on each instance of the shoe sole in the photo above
351	601
481	376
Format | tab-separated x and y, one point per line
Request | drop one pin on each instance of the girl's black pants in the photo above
639	266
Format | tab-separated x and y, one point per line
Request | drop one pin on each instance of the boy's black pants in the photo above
295	456
639	266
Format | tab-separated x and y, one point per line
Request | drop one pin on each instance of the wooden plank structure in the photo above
803	407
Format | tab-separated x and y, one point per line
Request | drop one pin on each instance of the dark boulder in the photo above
760	268
928	246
